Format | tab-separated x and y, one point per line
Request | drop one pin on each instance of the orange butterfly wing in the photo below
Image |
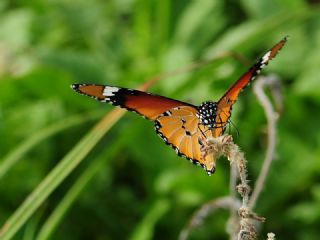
179	127
224	105
176	122
146	104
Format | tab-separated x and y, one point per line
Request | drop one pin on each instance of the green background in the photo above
132	186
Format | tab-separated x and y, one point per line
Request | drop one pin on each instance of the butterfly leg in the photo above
205	148
203	143
214	145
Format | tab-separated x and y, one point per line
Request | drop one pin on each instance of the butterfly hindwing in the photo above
179	127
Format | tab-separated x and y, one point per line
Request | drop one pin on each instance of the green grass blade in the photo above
57	175
57	215
144	230
16	154
240	35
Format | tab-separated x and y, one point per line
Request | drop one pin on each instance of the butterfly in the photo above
181	125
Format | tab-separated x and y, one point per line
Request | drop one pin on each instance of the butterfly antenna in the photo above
201	131
229	128
231	124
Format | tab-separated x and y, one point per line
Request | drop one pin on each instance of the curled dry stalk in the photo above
242	225
274	84
207	209
219	146
224	145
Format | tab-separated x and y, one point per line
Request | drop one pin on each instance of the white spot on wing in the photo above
266	57
109	91
104	100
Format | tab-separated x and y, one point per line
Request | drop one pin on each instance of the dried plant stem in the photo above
207	209
232	227
224	145
272	117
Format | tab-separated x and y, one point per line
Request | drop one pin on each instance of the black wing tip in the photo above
76	86
286	38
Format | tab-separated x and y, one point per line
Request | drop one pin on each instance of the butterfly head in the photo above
207	114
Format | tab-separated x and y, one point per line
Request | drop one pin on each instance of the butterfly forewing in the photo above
232	94
146	104
224	105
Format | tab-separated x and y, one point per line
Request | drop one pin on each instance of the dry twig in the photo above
224	146
232	226
206	210
273	83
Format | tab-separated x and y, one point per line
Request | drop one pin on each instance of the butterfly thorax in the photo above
208	113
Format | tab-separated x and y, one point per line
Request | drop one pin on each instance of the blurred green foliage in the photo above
131	186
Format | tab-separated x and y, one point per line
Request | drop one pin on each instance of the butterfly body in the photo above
179	124
208	113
